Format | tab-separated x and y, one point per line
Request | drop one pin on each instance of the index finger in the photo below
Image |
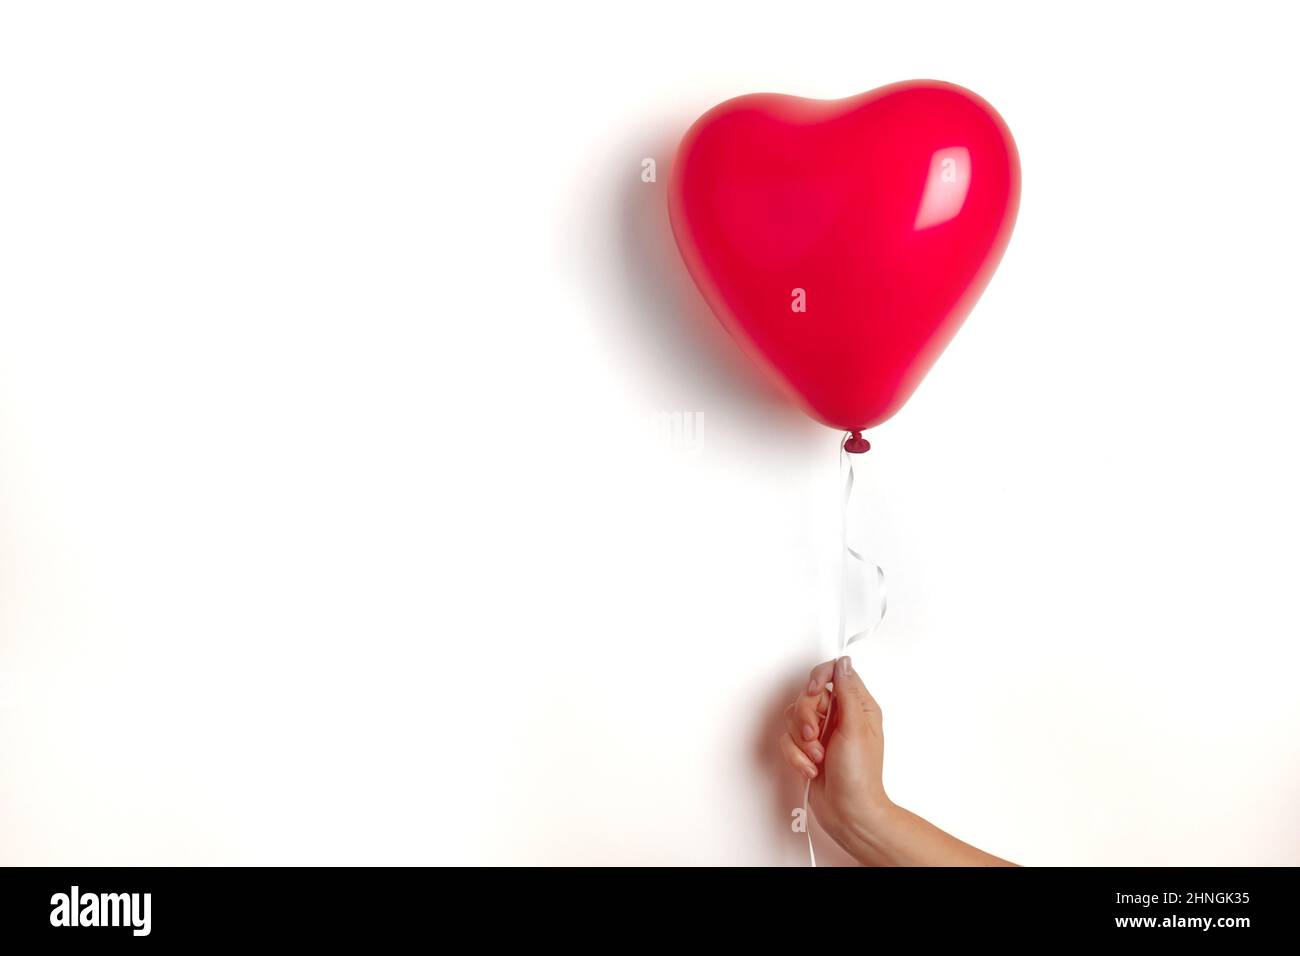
819	677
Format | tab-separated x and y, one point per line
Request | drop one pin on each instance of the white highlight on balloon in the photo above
946	187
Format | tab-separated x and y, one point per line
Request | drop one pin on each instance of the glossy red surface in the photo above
889	210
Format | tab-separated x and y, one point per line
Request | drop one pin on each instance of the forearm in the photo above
892	836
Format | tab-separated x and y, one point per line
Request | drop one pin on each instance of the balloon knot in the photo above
856	444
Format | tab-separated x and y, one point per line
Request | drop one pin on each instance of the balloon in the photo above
843	242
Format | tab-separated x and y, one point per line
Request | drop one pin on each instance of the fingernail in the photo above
817	753
814	688
844	666
809	732
810	771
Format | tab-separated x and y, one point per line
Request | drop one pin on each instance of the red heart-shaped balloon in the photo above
844	241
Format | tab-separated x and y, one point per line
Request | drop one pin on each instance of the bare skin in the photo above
845	761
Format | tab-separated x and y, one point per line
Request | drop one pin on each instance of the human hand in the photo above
836	739
843	757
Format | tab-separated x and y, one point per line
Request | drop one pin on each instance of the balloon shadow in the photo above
668	322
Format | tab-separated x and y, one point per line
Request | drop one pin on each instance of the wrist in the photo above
873	830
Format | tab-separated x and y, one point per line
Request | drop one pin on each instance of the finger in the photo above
857	709
796	758
819	677
804	726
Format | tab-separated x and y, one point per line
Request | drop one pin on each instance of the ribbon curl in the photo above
853	445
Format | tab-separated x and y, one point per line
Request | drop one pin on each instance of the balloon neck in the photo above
855	444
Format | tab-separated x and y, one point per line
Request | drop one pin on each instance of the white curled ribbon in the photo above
846	469
847	554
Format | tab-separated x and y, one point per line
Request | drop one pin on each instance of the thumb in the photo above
859	712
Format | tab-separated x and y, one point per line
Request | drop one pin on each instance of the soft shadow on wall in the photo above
691	363
695	364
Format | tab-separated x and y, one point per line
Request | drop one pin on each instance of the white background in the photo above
335	525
